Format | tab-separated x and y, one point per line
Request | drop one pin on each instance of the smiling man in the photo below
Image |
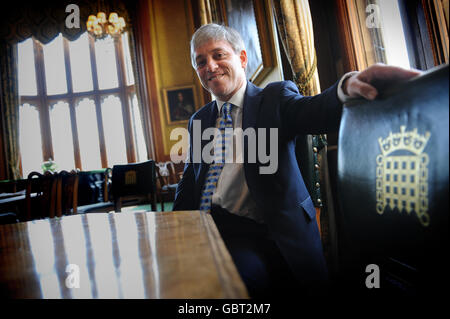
220	69
267	221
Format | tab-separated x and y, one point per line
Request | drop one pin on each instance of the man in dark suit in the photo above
263	212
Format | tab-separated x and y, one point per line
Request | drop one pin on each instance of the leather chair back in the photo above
44	186
134	180
393	184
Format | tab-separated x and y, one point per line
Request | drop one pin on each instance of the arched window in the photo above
78	104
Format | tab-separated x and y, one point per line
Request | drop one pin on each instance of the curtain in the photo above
45	21
296	33
293	18
10	108
204	12
139	84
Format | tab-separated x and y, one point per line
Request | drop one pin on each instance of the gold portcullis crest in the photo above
130	178
402	174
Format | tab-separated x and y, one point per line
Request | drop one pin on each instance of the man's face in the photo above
220	69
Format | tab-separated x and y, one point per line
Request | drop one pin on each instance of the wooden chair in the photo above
174	177
44	203
131	184
134	181
67	193
167	182
101	202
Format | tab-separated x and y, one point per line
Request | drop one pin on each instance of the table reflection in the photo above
117	255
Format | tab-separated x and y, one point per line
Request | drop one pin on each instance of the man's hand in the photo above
376	77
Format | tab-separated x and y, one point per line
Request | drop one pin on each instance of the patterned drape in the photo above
9	103
295	29
204	12
45	20
296	33
139	86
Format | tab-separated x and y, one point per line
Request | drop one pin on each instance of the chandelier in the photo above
100	28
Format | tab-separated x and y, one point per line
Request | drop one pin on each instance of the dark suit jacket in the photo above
282	197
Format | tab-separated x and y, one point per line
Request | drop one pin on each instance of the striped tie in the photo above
215	168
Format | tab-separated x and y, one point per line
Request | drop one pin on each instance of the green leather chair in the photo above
393	187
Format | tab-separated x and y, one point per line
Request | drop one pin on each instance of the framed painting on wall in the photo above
179	103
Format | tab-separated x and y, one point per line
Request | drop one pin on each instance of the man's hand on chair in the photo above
375	78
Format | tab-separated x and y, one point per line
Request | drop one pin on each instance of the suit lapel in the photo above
209	120
252	104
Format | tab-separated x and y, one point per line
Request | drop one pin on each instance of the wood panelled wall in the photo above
166	28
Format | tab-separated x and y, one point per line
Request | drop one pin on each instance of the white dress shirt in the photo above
232	191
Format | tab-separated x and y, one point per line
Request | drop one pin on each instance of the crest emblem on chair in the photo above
402	174
130	177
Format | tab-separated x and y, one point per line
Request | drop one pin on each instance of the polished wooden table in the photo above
117	255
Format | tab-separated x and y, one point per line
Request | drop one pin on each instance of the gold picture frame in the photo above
179	103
